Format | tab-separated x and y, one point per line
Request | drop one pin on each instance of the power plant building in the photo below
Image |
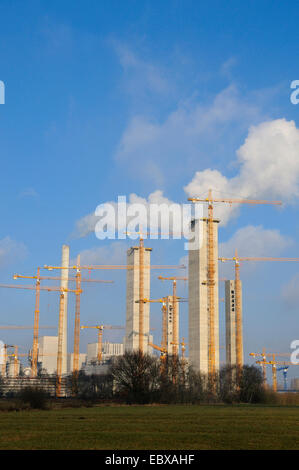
47	354
109	350
70	361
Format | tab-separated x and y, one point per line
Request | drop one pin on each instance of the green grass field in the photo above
152	427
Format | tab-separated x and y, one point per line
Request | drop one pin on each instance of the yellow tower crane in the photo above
263	363
211	269
174	280
36	327
100	267
274	365
164	322
62	291
163	355
239	327
163	301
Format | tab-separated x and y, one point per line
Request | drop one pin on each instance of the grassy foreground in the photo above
152	427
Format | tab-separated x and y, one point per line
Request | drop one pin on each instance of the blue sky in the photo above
131	97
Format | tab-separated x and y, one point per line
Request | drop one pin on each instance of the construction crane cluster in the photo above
203	306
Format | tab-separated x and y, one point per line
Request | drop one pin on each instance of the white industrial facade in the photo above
70	361
109	350
47	353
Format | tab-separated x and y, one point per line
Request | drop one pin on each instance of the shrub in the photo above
35	397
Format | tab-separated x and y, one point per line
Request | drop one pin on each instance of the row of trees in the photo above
141	378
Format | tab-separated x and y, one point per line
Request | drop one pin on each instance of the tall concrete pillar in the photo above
65	261
198	297
170	334
230	322
132	313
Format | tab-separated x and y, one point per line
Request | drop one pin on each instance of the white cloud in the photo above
141	76
268	168
255	241
180	141
85	226
11	251
115	253
227	66
252	241
249	241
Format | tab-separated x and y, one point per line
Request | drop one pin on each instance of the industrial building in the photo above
70	361
199	331
132	307
230	322
13	367
109	350
47	354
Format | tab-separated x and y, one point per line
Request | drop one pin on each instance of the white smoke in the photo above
268	169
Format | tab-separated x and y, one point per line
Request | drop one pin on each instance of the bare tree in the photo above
136	377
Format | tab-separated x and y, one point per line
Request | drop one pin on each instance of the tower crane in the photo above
141	290
239	335
100	267
183	350
163	301
211	269
274	365
163	355
264	356
284	370
141	285
60	323
164	327
25	327
36	327
174	280
100	329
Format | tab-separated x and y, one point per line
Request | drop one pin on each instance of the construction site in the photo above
51	359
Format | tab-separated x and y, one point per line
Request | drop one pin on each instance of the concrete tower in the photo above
230	322
170	325
65	261
198	297
132	314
